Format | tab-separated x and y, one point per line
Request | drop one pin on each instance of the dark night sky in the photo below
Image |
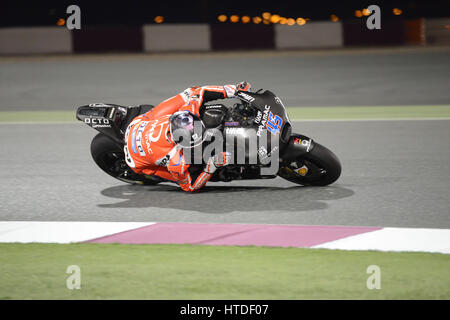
27	13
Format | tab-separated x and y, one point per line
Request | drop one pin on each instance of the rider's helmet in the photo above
187	129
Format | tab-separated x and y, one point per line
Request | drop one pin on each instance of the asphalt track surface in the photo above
407	76
395	173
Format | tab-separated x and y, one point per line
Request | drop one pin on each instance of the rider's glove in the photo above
243	86
219	160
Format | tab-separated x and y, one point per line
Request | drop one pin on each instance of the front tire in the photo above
110	157
321	165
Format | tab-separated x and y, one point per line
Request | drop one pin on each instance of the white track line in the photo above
386	239
61	231
395	239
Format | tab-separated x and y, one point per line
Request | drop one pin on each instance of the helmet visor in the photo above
186	129
183	121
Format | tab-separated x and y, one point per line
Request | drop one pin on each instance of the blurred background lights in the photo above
159	19
300	21
256	20
234	18
266	15
275	18
283	20
358	13
334	18
60	22
290	21
222	18
397	11
366	12
245	19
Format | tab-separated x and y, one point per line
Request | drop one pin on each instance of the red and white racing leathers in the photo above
150	149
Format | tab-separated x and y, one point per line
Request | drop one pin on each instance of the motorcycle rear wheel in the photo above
322	168
110	157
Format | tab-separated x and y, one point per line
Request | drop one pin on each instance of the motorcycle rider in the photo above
151	149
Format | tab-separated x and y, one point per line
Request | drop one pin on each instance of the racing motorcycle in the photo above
301	160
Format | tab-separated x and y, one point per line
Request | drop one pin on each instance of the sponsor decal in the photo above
245	96
262	151
186	94
231	124
196	138
147	144
302	171
97	105
149	136
274	123
258	117
111	112
151	131
307	144
214	106
263	154
278	100
263	121
163	161
230	91
139	138
127	132
304	143
97	122
133	140
234	130
128	158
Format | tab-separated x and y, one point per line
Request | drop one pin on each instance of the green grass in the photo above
295	113
115	271
38	116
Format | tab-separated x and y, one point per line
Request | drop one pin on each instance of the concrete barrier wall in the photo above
35	40
242	37
391	33
310	35
107	39
204	37
177	37
415	31
438	31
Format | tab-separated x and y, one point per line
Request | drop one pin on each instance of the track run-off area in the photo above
388	128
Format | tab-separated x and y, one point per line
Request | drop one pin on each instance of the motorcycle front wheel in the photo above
319	167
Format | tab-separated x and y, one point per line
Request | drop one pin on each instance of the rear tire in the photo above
324	168
110	157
